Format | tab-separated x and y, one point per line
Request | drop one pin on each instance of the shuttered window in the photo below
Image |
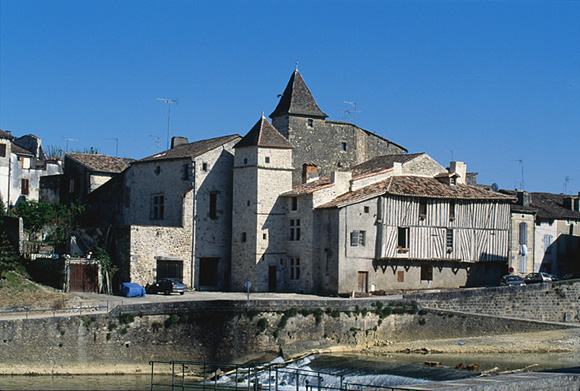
523	233
357	238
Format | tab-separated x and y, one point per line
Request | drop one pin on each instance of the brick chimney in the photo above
177	141
524	198
309	172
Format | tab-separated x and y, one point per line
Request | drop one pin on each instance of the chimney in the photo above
524	198
568	202
577	203
177	141
341	180
309	172
460	169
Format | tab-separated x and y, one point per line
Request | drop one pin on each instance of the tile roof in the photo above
5	135
190	150
100	163
309	187
414	186
297	99
551	206
264	134
381	163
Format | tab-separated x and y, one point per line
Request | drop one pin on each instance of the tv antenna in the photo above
169	102
521	164
156	141
451	150
117	147
67	140
566	181
353	104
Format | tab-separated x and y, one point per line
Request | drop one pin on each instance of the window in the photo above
204	166
523	233
367	209
547	243
24	185
245	160
453	181
343	146
243	237
403	238
294	229
452	210
294	203
294	268
449	240
185	172
426	272
357	238
264	236
400	276
310	122
157	170
423	208
158	209
213	206
2	150
267	159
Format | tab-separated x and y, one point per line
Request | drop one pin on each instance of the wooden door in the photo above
363	282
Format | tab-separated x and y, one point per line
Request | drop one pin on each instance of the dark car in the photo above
534	278
511	280
168	286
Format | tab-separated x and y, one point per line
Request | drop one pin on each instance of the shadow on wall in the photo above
486	273
562	256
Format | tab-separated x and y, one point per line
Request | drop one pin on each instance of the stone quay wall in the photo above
554	302
130	336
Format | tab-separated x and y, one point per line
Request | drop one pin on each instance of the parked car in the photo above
168	286
534	278
571	276
511	280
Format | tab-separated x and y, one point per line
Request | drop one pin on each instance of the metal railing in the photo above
57	310
208	376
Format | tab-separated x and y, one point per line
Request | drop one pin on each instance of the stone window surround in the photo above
294	230
294	268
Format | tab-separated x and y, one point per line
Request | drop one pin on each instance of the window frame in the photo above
157	207
295	231
24	186
403	238
213	214
294	268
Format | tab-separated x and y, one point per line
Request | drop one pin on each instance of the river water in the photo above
397	369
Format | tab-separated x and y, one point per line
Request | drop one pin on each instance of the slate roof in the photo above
100	163
414	186
515	207
190	150
551	206
381	163
6	135
17	149
297	99
264	134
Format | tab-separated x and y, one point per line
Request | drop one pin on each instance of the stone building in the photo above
327	145
22	165
171	214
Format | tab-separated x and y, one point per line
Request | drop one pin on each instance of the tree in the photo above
2	207
39	216
8	254
107	267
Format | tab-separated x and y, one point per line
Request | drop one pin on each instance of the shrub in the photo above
126	318
262	324
171	321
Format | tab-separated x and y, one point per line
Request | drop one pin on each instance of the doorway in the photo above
271	278
363	282
169	269
208	272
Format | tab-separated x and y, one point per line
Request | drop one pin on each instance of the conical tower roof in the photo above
263	134
298	100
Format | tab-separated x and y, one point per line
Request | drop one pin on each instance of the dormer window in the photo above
453	181
310	122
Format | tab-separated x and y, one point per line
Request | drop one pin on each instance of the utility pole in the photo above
169	102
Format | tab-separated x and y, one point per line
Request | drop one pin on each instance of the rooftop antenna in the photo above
521	164
67	140
346	116
353	104
566	181
117	147
156	141
169	102
451	150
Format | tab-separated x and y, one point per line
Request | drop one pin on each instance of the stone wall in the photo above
555	302
132	335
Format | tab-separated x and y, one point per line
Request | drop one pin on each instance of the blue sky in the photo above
493	81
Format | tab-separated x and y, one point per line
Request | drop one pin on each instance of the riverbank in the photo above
549	341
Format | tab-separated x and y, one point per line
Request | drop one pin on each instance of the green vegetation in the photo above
262	324
126	318
57	219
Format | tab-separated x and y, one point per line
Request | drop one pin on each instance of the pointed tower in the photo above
262	171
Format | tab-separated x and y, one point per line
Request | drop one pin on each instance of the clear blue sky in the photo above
493	81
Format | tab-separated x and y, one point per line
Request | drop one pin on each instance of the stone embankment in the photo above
130	336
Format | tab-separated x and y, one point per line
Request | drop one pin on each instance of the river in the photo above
395	369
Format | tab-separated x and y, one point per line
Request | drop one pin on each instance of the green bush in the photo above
126	318
262	324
